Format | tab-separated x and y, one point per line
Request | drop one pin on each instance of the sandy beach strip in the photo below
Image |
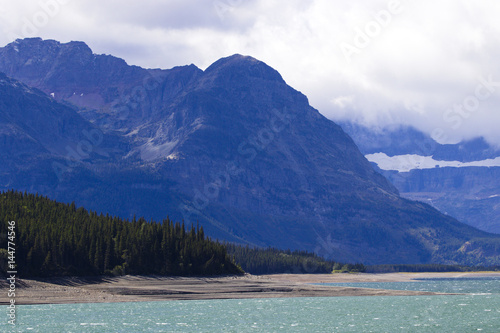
156	288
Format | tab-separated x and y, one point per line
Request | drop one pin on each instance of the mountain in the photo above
235	148
125	95
462	180
37	134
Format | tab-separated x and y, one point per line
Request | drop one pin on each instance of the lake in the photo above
477	310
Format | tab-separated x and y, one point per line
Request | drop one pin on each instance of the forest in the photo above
56	239
275	261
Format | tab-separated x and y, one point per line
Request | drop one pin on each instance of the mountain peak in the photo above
30	40
35	47
239	65
34	41
64	69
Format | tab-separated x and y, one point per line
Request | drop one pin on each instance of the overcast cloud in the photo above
430	64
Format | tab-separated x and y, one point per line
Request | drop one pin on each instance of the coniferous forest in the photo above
274	261
55	239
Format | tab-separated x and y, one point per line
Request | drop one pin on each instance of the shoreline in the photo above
71	290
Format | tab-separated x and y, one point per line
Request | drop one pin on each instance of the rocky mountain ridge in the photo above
233	148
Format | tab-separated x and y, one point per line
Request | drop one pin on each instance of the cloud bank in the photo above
433	65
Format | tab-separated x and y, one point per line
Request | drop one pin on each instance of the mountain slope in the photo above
71	72
462	180
237	149
41	140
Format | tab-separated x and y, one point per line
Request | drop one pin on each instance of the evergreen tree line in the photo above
273	261
55	239
438	268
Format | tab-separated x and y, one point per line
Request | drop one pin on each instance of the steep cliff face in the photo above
470	194
466	187
233	147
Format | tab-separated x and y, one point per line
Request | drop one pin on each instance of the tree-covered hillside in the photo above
54	239
274	261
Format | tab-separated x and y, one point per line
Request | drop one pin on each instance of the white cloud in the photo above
421	59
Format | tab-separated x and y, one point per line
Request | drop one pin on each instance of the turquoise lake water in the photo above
476	311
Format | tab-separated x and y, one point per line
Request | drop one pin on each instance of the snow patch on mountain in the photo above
406	163
150	151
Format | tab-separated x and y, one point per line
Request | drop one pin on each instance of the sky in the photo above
430	64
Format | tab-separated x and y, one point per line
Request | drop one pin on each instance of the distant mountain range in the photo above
462	180
232	147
